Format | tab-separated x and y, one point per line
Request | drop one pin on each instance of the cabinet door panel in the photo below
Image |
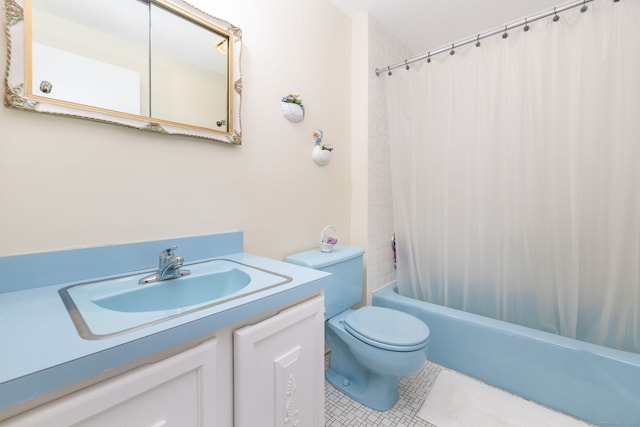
177	391
278	369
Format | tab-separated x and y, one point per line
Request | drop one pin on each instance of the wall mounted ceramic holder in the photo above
320	157
321	153
292	107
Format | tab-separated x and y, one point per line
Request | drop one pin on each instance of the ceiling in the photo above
423	25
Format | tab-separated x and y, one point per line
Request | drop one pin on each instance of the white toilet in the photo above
371	346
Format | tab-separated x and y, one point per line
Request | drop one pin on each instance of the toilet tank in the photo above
345	263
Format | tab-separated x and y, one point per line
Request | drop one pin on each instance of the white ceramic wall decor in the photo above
320	157
292	107
321	153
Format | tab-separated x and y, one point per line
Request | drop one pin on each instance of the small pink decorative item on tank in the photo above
328	238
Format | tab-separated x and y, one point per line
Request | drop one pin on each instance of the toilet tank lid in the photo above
314	258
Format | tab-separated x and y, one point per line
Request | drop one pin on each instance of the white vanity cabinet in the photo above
278	369
263	371
178	391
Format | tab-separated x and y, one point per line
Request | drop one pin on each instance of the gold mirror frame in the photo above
15	95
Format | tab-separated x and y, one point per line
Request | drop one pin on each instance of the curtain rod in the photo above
502	29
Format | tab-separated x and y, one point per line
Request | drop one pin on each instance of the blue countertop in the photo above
42	351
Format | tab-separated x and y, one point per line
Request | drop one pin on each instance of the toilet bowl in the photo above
367	359
371	347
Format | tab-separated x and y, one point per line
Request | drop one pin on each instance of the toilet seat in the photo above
387	329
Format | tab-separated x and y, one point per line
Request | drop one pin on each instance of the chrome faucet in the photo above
168	267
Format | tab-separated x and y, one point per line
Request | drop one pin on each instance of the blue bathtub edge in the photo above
587	381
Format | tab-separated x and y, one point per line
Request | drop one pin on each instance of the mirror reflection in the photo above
188	50
160	61
91	53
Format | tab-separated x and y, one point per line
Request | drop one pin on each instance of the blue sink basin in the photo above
104	308
176	293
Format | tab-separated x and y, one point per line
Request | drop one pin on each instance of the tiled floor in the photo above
341	411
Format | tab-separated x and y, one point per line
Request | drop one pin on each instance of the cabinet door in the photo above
279	367
178	391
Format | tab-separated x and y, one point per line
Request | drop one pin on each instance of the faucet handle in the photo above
168	253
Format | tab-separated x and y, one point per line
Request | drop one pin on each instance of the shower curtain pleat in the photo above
515	173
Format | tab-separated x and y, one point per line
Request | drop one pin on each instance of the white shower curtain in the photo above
516	176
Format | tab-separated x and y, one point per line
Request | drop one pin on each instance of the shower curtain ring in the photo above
406	66
389	70
505	35
453	52
556	18
429	57
478	41
526	25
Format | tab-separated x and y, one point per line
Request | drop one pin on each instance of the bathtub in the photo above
590	382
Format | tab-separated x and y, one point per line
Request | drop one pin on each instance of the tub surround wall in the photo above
383	46
372	210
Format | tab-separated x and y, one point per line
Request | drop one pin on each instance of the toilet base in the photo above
376	391
363	372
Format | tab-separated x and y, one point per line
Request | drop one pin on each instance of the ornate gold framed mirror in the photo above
159	65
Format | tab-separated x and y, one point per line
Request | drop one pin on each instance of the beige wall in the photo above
68	183
359	137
